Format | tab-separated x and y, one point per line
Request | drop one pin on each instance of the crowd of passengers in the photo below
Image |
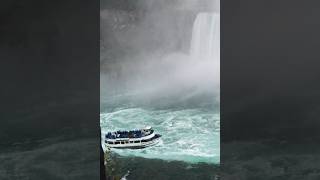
124	134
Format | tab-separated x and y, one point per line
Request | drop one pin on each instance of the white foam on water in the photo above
190	135
125	176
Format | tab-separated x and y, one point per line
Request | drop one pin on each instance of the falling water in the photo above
189	132
205	42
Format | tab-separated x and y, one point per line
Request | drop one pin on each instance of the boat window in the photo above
131	141
117	142
110	142
144	141
136	141
122	142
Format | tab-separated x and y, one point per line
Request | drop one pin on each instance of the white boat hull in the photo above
131	139
134	145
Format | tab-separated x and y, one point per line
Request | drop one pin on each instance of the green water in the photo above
190	134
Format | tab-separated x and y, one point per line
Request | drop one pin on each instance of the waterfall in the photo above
205	41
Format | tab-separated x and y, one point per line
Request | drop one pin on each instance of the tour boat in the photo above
135	139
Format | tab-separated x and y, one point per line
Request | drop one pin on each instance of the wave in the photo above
191	135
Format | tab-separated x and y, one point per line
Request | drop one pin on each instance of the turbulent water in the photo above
178	97
190	135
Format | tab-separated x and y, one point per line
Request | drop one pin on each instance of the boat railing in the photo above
127	134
